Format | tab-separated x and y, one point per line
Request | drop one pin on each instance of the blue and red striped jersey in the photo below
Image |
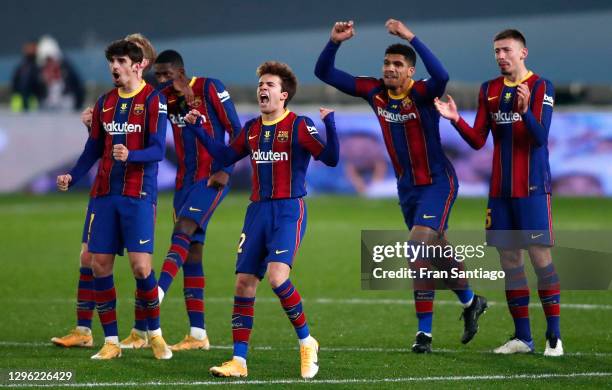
520	141
219	116
136	120
280	152
409	123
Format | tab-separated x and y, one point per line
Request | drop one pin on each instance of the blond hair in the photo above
147	48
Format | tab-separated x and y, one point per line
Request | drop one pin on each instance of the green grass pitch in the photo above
365	335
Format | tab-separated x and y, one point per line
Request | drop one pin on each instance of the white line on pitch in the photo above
35	344
222	382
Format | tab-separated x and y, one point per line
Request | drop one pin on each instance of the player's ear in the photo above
524	53
284	95
411	71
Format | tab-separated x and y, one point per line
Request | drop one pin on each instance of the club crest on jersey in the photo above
507	97
406	103
283	136
138	109
123	108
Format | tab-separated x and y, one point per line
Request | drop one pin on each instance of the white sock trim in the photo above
112	339
84	329
241	360
197	333
155	332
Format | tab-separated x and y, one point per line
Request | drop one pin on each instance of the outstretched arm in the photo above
325	68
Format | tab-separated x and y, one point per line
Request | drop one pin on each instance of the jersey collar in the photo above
400	97
133	93
275	121
509	83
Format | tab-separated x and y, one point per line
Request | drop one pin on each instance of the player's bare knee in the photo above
278	273
86	257
102	265
246	285
186	226
540	256
510	258
424	234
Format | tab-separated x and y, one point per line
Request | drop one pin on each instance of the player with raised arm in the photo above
426	180
517	108
280	144
128	137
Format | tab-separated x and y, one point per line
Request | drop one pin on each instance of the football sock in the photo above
550	296
242	323
177	254
106	303
147	293
517	296
86	302
140	313
423	302
292	304
193	290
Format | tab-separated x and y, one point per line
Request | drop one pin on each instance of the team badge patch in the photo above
508	96
267	136
283	136
407	103
123	107
138	109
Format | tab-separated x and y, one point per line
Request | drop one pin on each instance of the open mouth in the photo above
115	76
264	98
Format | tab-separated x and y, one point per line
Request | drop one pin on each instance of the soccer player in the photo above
280	144
426	180
517	108
81	336
201	185
128	136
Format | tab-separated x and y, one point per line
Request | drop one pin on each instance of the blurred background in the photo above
52	65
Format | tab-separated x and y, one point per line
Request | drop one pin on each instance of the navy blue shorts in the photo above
514	223
272	232
198	203
429	205
122	222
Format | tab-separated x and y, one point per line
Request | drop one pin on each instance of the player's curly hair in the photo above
405	50
147	48
123	47
289	81
511	34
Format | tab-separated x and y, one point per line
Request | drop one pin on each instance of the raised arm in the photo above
325	68
308	137
439	76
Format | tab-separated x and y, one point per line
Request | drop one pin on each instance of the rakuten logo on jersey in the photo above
395	117
114	128
505	118
269	156
179	120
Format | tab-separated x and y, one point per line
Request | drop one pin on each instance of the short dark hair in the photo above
511	34
171	57
284	72
405	50
123	47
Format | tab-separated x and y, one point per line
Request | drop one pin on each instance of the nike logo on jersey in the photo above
534	236
142	242
279	252
171	101
492	98
193	209
425	216
107	109
252	136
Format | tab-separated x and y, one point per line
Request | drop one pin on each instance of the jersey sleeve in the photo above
539	115
476	136
94	147
327	72
435	85
219	98
309	139
157	112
